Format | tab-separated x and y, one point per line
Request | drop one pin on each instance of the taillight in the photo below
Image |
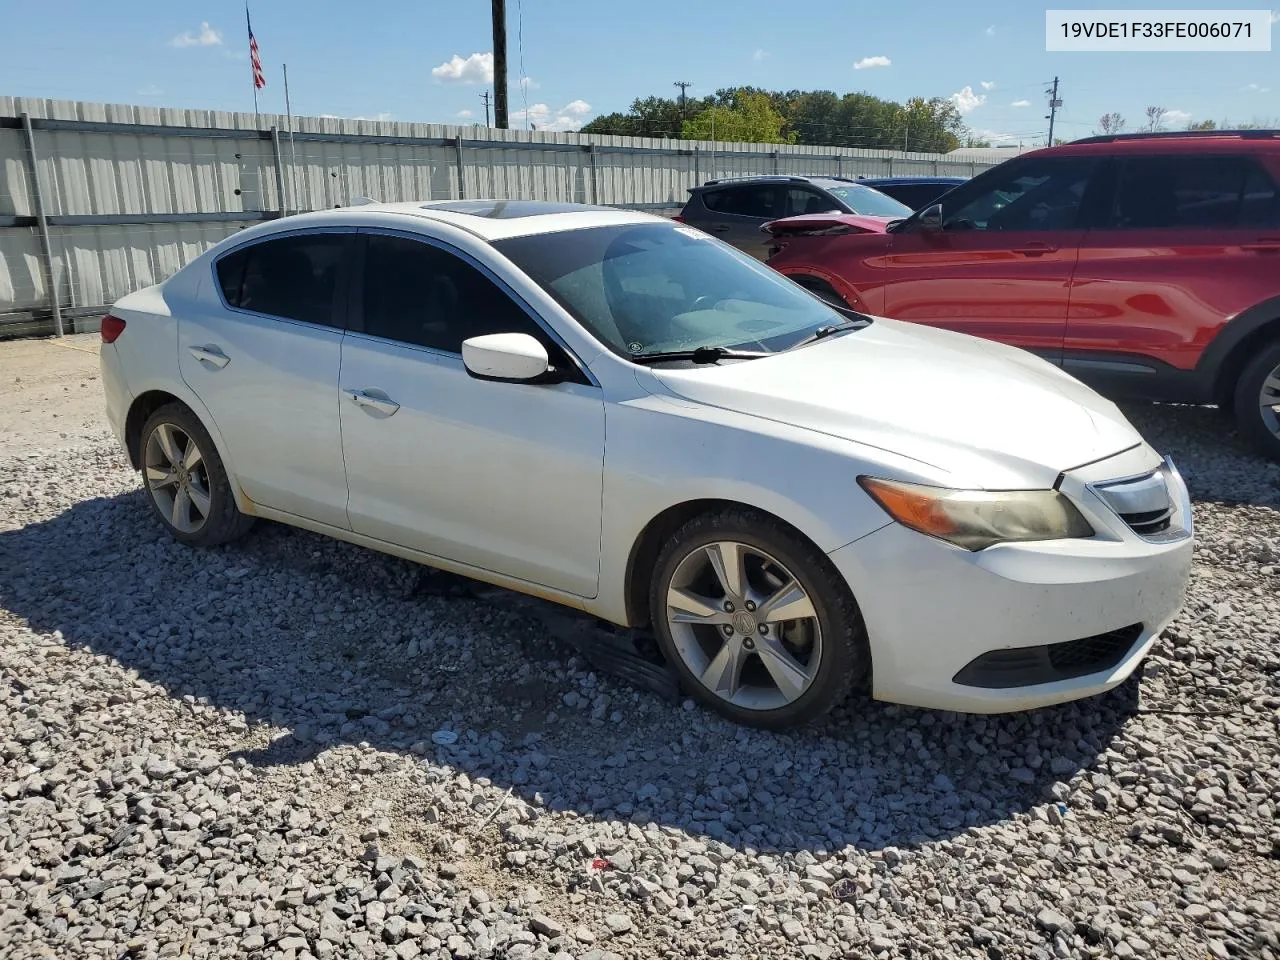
111	328
678	219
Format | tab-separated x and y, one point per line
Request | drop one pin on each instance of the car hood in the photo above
988	415
822	222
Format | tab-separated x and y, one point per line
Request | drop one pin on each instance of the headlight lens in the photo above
975	519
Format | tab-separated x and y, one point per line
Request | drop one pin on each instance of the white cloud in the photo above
991	30
207	37
528	83
995	136
150	90
464	114
868	63
1275	16
760	56
1176	116
1256	88
477	68
966	100
382	117
1020	103
568	118
988	84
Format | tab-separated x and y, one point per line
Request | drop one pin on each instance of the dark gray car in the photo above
734	209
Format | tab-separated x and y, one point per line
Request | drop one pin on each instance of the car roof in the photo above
487	219
1183	141
904	181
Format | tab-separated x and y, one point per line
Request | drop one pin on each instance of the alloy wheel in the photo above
1269	402
177	478
744	625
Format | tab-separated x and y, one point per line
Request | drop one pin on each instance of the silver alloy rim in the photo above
744	625
1269	402
177	478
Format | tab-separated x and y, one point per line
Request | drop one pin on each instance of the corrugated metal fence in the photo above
97	200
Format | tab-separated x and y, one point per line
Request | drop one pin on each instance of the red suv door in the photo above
1187	241
1001	265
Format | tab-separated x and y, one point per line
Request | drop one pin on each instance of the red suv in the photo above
1147	265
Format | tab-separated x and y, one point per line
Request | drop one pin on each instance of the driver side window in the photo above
420	294
1042	194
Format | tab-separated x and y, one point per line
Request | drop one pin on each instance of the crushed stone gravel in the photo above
234	752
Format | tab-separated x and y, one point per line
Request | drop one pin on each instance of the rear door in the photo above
1186	243
262	354
736	213
1001	266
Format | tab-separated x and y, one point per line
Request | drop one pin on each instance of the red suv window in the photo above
1192	193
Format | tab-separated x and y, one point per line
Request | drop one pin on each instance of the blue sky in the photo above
427	59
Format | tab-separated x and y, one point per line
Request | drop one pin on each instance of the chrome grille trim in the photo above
1147	505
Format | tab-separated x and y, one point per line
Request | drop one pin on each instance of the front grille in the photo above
1028	666
1144	503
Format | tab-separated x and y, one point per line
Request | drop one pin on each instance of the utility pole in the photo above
1054	104
485	97
683	85
500	64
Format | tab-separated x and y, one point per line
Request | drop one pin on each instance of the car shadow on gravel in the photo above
330	644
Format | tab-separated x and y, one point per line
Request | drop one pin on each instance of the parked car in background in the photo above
915	192
734	209
622	414
1147	265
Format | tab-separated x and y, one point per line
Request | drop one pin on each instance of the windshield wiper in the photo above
700	355
831	330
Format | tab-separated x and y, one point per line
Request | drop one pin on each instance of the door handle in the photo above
1265	245
719	228
362	399
1036	249
210	354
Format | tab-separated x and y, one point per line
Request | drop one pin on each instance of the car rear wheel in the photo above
755	621
1257	401
185	480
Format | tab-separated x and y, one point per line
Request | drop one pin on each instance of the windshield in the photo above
646	288
868	201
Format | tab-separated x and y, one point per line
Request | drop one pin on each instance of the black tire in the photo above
224	522
1262	432
845	660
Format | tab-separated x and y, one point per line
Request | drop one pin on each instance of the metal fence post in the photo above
890	166
839	165
46	244
595	186
462	170
275	156
697	155
775	163
935	168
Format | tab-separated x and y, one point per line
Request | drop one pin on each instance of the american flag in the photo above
259	81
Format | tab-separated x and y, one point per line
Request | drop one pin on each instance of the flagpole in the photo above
249	26
293	149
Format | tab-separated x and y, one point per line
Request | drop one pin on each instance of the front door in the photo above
501	476
261	351
1001	265
735	214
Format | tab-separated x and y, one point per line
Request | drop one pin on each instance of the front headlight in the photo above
975	519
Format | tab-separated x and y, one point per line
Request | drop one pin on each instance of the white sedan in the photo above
625	415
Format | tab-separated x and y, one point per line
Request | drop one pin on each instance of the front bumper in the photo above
932	609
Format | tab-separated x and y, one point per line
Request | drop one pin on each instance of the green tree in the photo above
1202	125
749	118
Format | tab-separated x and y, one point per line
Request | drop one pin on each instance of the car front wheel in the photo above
1257	401
755	621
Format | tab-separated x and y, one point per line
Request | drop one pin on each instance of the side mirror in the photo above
506	357
930	218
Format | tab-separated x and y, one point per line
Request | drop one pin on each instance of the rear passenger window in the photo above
757	201
1193	192
801	201
295	278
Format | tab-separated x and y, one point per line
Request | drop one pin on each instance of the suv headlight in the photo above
975	519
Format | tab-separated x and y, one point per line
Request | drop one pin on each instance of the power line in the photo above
683	85
485	97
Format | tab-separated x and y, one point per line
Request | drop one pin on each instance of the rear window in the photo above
1193	193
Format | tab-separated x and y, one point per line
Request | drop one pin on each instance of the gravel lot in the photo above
234	753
